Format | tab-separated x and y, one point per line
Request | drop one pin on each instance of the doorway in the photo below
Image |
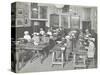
86	25
36	25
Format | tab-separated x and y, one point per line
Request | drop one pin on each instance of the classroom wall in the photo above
94	19
20	31
85	13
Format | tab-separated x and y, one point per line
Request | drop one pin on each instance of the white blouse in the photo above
27	37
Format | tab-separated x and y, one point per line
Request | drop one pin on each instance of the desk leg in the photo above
33	56
43	57
74	57
53	58
39	55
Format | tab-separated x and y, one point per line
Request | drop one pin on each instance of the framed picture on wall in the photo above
26	21
19	22
19	12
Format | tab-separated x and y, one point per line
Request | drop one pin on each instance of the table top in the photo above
58	47
80	51
30	46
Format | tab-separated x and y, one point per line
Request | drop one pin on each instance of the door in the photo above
42	25
86	25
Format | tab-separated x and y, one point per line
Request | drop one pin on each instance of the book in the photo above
52	37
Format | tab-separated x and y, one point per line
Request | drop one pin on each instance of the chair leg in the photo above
62	59
54	61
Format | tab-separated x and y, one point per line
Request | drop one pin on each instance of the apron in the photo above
91	50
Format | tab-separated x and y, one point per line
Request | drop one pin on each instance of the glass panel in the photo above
54	20
64	21
43	12
75	22
34	10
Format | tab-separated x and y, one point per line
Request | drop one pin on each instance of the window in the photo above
75	22
54	20
43	12
64	21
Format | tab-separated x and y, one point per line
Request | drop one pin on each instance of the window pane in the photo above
75	22
43	12
54	20
64	21
34	10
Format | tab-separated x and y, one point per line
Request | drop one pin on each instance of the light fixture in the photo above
34	9
59	5
70	10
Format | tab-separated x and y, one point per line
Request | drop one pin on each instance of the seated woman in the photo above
36	38
81	38
87	34
49	32
27	36
42	32
45	39
91	48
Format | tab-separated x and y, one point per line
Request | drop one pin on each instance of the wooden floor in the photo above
36	66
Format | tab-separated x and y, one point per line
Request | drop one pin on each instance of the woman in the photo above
68	45
36	38
91	51
42	32
27	36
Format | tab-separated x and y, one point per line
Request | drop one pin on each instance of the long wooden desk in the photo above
38	49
